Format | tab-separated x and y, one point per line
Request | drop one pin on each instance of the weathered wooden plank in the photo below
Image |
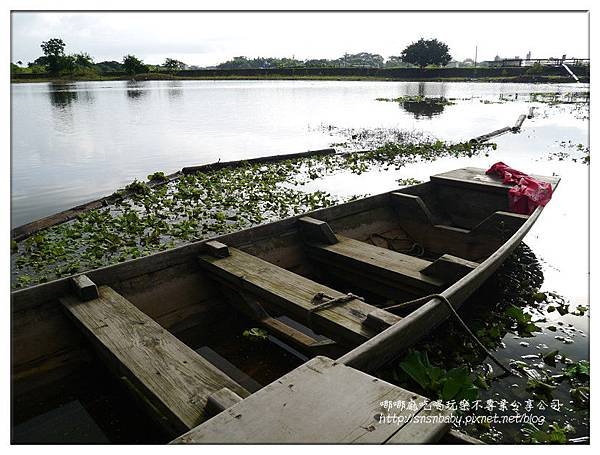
449	268
388	344
396	270
488	227
220	400
263	159
458	437
317	230
379	319
414	207
217	249
85	288
248	305
319	402
293	294
428	426
253	236
470	177
171	375
498	224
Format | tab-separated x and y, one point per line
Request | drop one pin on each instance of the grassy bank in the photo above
160	76
514	74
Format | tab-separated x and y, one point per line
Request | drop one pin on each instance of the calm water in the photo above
76	142
73	143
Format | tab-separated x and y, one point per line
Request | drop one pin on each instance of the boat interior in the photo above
177	330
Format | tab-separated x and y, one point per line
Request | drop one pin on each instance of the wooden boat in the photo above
149	321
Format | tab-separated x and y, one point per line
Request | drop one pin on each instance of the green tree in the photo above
133	65
54	53
427	52
361	60
173	65
109	66
84	60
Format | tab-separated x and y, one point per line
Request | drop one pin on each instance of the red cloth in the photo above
527	194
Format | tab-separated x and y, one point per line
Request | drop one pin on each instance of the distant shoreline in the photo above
548	79
500	74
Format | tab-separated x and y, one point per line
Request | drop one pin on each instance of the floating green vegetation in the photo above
199	206
157	177
577	103
510	306
408	181
455	384
554	434
578	153
556	98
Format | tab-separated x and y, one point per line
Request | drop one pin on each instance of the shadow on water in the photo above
426	108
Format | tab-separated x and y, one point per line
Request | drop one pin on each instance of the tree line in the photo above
54	61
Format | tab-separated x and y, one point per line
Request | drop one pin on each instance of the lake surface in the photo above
76	142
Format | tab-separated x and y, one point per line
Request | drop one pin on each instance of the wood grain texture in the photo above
449	268
171	375
317	230
319	402
85	288
221	400
469	177
378	264
388	344
293	294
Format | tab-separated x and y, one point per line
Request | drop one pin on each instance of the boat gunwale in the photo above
380	349
39	294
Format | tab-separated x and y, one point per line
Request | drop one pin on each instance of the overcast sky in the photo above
205	39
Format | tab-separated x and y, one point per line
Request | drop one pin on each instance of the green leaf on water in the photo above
256	334
579	370
550	358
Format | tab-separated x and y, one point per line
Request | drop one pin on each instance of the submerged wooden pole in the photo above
22	232
485	137
519	123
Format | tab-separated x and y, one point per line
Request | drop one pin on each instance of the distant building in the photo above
528	57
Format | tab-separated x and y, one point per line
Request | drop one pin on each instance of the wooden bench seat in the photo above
170	378
366	264
324	402
293	295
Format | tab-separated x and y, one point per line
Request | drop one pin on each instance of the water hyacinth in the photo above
199	206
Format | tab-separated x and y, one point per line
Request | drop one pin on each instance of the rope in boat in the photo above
458	318
332	302
415	249
319	304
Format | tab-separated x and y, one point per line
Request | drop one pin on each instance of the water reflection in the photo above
134	90
425	108
175	90
61	96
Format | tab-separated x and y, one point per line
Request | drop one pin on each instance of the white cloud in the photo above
204	38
